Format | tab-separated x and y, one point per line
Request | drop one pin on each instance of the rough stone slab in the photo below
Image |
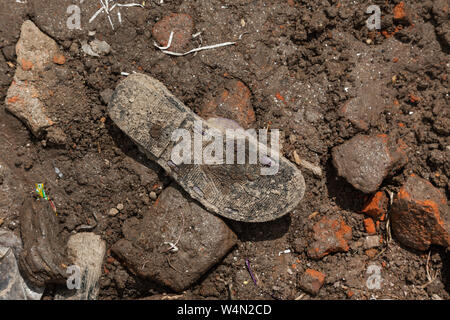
364	161
43	258
35	51
420	215
12	285
86	251
204	239
23	102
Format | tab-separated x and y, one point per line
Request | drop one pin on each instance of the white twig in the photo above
168	44
96	14
105	7
214	46
128	5
173	247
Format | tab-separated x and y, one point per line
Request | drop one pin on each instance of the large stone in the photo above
86	250
364	161
12	285
201	240
420	215
43	259
35	51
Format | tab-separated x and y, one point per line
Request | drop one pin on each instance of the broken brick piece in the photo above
401	13
59	59
233	102
330	235
182	26
377	206
371	253
420	215
369	225
311	281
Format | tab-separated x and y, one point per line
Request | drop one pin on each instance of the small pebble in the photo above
153	195
372	242
113	212
120	207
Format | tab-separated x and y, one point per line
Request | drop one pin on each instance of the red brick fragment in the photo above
233	102
420	215
330	236
311	281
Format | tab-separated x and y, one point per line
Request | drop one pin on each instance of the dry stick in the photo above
199	49
247	263
429	277
170	265
190	51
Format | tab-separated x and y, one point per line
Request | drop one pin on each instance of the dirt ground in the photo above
302	61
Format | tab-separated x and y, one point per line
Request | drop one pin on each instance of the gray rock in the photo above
86	251
88	49
200	241
364	161
100	47
12	285
106	95
372	242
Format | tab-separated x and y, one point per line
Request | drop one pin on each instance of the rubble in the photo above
35	51
420	215
176	242
86	250
364	161
182	26
311	281
12	285
233	102
330	236
44	256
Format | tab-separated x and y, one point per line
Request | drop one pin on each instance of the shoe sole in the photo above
147	112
